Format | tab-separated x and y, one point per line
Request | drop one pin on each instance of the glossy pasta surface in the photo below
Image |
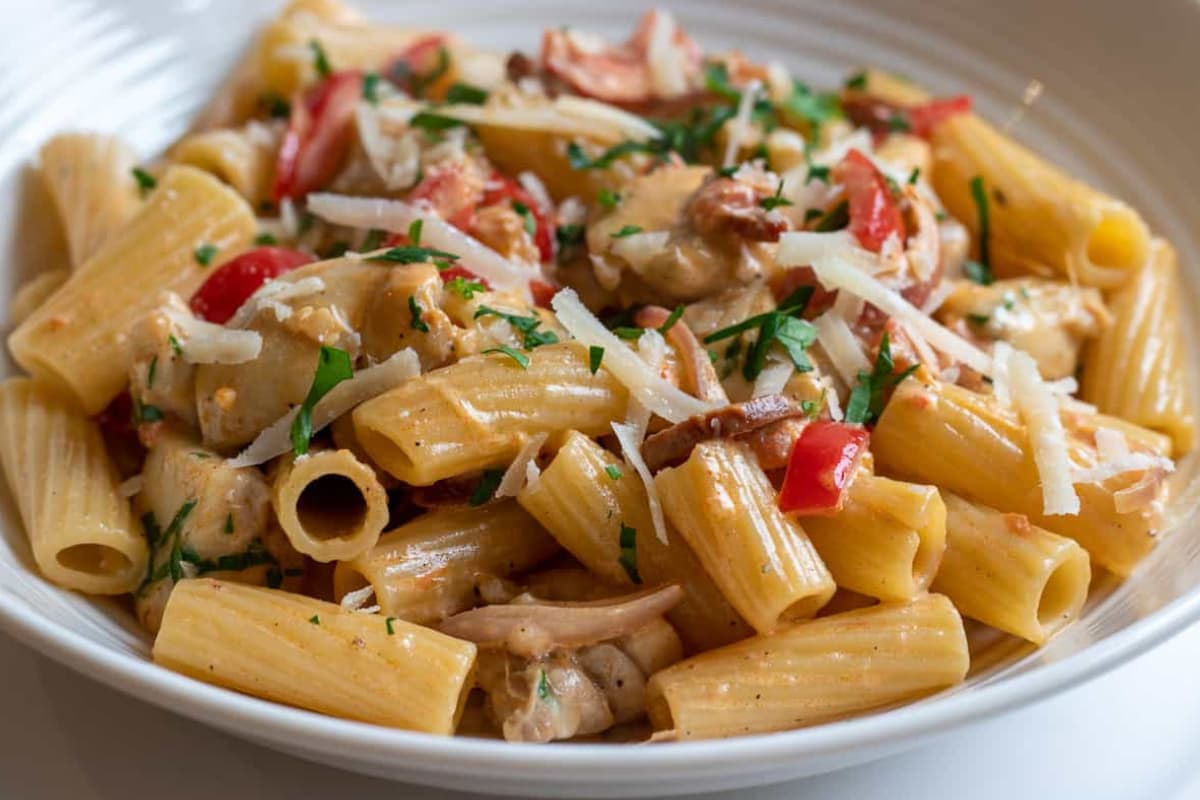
619	391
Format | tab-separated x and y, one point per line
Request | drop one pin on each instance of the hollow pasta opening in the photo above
94	559
331	507
925	562
1117	241
1063	594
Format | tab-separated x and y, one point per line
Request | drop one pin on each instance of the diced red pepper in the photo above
874	215
501	188
542	292
456	271
822	464
923	119
319	135
232	284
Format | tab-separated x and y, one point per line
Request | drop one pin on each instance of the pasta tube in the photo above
34	292
479	412
586	498
1040	218
243	158
968	444
90	178
330	505
81	530
1009	574
293	649
817	671
427	569
725	507
1138	368
886	542
78	338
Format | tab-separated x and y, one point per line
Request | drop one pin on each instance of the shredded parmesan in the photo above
1039	411
1111	444
938	296
739	126
395	216
832	402
517	473
1130	462
131	487
370	382
1001	351
395	158
1063	386
533	473
633	454
206	343
774	376
652	348
357	599
667	61
650	389
537	190
835	271
639	248
275	292
843	349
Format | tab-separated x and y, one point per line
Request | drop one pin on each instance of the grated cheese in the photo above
395	159
1111	444
1001	351
652	348
1130	462
517	473
275	291
832	401
1039	411
631	448
739	126
203	342
648	387
537	190
357	599
843	349
774	376
366	384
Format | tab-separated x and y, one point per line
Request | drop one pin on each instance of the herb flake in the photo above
333	367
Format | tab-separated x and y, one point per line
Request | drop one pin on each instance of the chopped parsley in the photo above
516	355
414	308
837	218
675	316
146	182
412	254
866	398
488	483
144	412
812	213
595	356
580	160
320	60
266	239
150	371
314	619
370	87
374	239
526	216
776	200
898	123
613	471
981	271
628	557
545	692
628	333
816	172
781	325
979	319
608	199
814	108
389	622
569	235
627	230
229	524
728	172
333	367
176	347
277	106
204	254
466	93
466	289
434	123
857	81
527	326
716	80
173	566
914	176
810	408
414	231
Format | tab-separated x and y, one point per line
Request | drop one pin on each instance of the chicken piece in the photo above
159	378
1047	319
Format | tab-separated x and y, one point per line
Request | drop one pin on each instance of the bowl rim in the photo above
141	678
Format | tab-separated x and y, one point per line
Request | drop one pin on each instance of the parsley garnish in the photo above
150	371
628	333
370	87
716	80
144	412
812	213
173	566
776	200
488	484
411	254
628	557
613	471
421	83
981	271
204	254
145	180
277	106
320	60
816	172
979	319
265	239
229	524
580	160
837	218
627	230
414	308
675	316
466	93
810	408
429	121
374	239
608	198
464	288
516	355
527	326
857	81
815	109
728	172
176	347
782	326
526	216
595	356
414	231
569	235
388	622
545	692
866	398
333	367
914	176
898	123
314	619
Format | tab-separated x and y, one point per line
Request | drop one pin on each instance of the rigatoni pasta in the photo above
415	370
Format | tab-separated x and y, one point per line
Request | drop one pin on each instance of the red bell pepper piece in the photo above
234	281
501	188
874	215
822	464
924	118
318	137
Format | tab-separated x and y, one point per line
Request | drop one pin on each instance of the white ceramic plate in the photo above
1118	110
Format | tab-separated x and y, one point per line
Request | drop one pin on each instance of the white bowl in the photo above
1118	110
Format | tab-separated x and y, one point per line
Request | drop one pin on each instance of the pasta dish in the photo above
618	391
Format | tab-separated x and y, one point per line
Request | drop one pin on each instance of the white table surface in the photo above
1129	735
